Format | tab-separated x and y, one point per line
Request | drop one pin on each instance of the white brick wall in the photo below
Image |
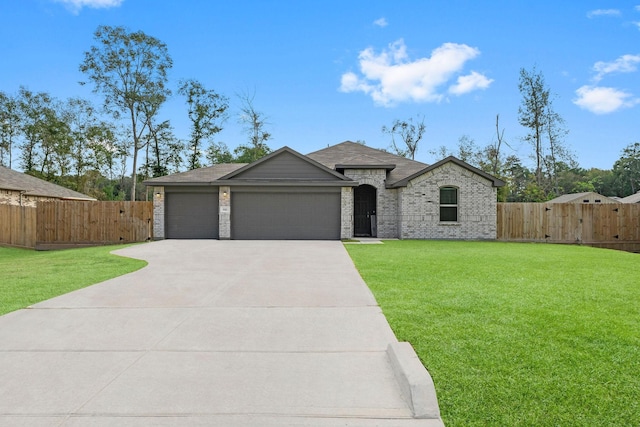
346	213
386	200
12	197
419	204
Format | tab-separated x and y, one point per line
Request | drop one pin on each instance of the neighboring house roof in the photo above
634	198
585	197
32	186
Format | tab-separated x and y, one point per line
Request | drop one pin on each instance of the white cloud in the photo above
76	5
603	12
391	77
469	83
381	22
624	64
603	100
638	8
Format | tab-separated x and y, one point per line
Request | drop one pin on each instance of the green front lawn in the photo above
28	277
516	334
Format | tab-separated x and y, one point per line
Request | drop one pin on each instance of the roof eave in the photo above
287	183
256	183
177	183
388	167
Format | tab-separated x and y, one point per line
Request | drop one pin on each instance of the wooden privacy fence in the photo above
614	226
18	226
61	224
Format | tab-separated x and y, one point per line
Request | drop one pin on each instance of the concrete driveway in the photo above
229	333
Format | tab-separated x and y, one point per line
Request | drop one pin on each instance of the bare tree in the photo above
254	123
494	152
409	133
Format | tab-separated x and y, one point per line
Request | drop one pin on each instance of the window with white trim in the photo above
448	204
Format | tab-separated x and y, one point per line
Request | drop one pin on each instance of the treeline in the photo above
106	151
556	170
564	178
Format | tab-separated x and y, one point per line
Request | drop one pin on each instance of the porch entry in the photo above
364	211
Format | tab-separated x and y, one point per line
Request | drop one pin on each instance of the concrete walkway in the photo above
229	333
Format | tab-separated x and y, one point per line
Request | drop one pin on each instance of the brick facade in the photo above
386	200
224	213
420	207
15	198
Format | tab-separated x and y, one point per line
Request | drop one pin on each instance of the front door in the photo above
364	211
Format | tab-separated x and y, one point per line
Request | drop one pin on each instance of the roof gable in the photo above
403	182
284	164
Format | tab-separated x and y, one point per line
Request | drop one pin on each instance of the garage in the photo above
191	214
282	196
285	213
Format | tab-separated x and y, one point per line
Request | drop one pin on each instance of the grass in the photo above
28	276
516	334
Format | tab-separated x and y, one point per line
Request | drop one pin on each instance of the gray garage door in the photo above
191	215
312	214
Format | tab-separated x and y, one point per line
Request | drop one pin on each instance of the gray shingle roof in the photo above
32	186
352	154
579	197
346	155
197	176
634	198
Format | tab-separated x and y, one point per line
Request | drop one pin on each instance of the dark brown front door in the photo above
364	211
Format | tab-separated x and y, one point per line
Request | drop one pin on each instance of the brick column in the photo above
224	213
158	213
346	213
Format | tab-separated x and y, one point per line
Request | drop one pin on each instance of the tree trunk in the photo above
134	174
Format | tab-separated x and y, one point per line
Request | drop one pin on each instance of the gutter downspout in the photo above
22	194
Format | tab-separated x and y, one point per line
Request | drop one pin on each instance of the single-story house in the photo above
634	198
20	189
586	197
343	191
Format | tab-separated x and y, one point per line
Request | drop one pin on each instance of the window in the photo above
448	204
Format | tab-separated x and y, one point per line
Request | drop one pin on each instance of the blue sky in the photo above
325	72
